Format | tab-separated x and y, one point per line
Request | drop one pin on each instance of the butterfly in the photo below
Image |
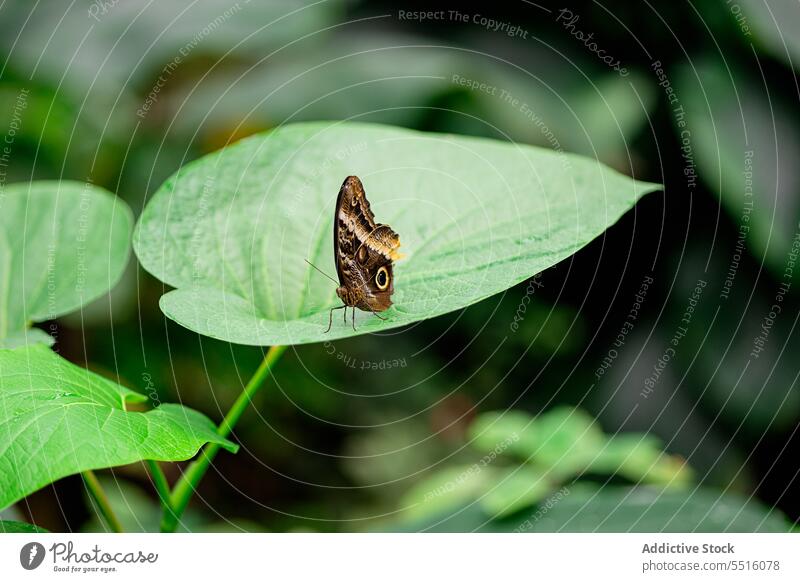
364	252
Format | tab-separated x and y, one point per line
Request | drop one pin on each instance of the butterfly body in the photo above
364	251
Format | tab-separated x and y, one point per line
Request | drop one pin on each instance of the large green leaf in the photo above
57	419
232	230
618	509
62	244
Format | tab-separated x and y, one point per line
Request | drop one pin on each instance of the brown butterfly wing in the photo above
364	251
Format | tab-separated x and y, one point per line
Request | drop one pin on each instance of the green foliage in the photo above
136	510
582	509
57	419
573	112
92	37
139	512
569	111
777	27
745	143
352	81
526	459
62	244
648	509
447	488
515	488
232	230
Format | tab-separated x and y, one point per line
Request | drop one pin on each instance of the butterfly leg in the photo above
354	319
330	316
379	317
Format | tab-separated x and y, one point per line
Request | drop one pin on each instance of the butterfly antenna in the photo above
323	272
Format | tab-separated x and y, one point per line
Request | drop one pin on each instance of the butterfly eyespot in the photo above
382	278
362	255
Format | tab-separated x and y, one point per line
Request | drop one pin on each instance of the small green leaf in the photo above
570	439
57	419
507	432
511	431
447	488
232	230
562	441
62	244
567	441
499	490
515	488
640	458
20	527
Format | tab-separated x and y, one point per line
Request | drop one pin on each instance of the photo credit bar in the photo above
368	557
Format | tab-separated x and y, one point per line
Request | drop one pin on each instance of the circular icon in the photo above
31	555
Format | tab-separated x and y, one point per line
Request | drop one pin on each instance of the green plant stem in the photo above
161	484
187	484
101	499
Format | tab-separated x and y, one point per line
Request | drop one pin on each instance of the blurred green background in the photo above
703	99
